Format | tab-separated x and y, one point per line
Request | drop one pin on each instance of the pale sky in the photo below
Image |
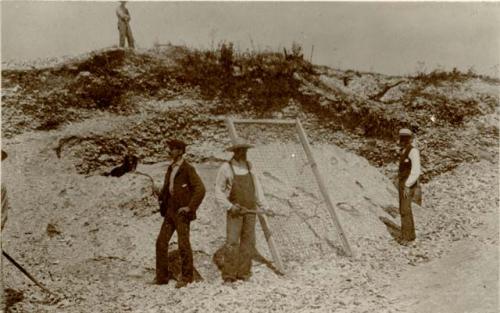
388	38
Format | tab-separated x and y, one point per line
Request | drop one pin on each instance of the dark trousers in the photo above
407	224
240	244
181	225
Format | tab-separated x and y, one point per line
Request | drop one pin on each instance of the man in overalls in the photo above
237	190
124	25
409	172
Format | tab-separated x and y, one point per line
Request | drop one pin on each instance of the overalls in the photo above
240	240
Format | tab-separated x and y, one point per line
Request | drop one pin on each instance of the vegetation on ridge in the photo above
366	107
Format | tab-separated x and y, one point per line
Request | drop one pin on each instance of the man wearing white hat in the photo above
409	172
237	190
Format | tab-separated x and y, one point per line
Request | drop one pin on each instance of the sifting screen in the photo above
302	227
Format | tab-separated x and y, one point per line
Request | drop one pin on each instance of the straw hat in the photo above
239	143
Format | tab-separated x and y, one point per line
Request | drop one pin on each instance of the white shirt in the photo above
175	168
415	172
224	183
122	14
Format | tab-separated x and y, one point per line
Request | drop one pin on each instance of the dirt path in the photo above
102	259
465	280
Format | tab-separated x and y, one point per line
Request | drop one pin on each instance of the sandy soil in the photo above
101	258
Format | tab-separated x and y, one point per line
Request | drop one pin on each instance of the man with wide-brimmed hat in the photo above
237	190
409	172
181	195
124	30
4	212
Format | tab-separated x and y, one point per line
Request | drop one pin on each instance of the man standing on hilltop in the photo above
124	25
180	197
237	190
409	172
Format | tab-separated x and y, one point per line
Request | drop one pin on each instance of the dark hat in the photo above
405	132
239	143
4	155
176	144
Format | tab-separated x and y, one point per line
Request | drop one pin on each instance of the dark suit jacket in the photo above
188	191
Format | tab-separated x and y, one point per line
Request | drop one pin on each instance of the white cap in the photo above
405	132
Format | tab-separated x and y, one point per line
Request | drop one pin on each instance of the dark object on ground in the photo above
220	254
385	89
174	267
52	230
129	165
26	273
12	296
51	123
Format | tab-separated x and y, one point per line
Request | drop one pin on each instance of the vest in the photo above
404	165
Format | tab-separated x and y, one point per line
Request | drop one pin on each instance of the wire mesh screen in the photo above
302	226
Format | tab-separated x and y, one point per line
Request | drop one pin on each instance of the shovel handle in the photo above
8	257
260	212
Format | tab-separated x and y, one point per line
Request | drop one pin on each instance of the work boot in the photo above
161	281
229	280
181	284
244	277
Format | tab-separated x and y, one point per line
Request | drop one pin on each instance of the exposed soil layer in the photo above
454	114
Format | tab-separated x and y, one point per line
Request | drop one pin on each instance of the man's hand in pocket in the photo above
184	210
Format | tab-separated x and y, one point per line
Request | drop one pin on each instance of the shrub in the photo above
51	123
264	79
438	76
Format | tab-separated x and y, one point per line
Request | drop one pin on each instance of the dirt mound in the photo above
357	111
99	250
107	80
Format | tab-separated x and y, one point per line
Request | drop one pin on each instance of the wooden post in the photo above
262	219
322	187
264	121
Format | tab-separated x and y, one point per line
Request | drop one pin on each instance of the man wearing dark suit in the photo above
181	195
